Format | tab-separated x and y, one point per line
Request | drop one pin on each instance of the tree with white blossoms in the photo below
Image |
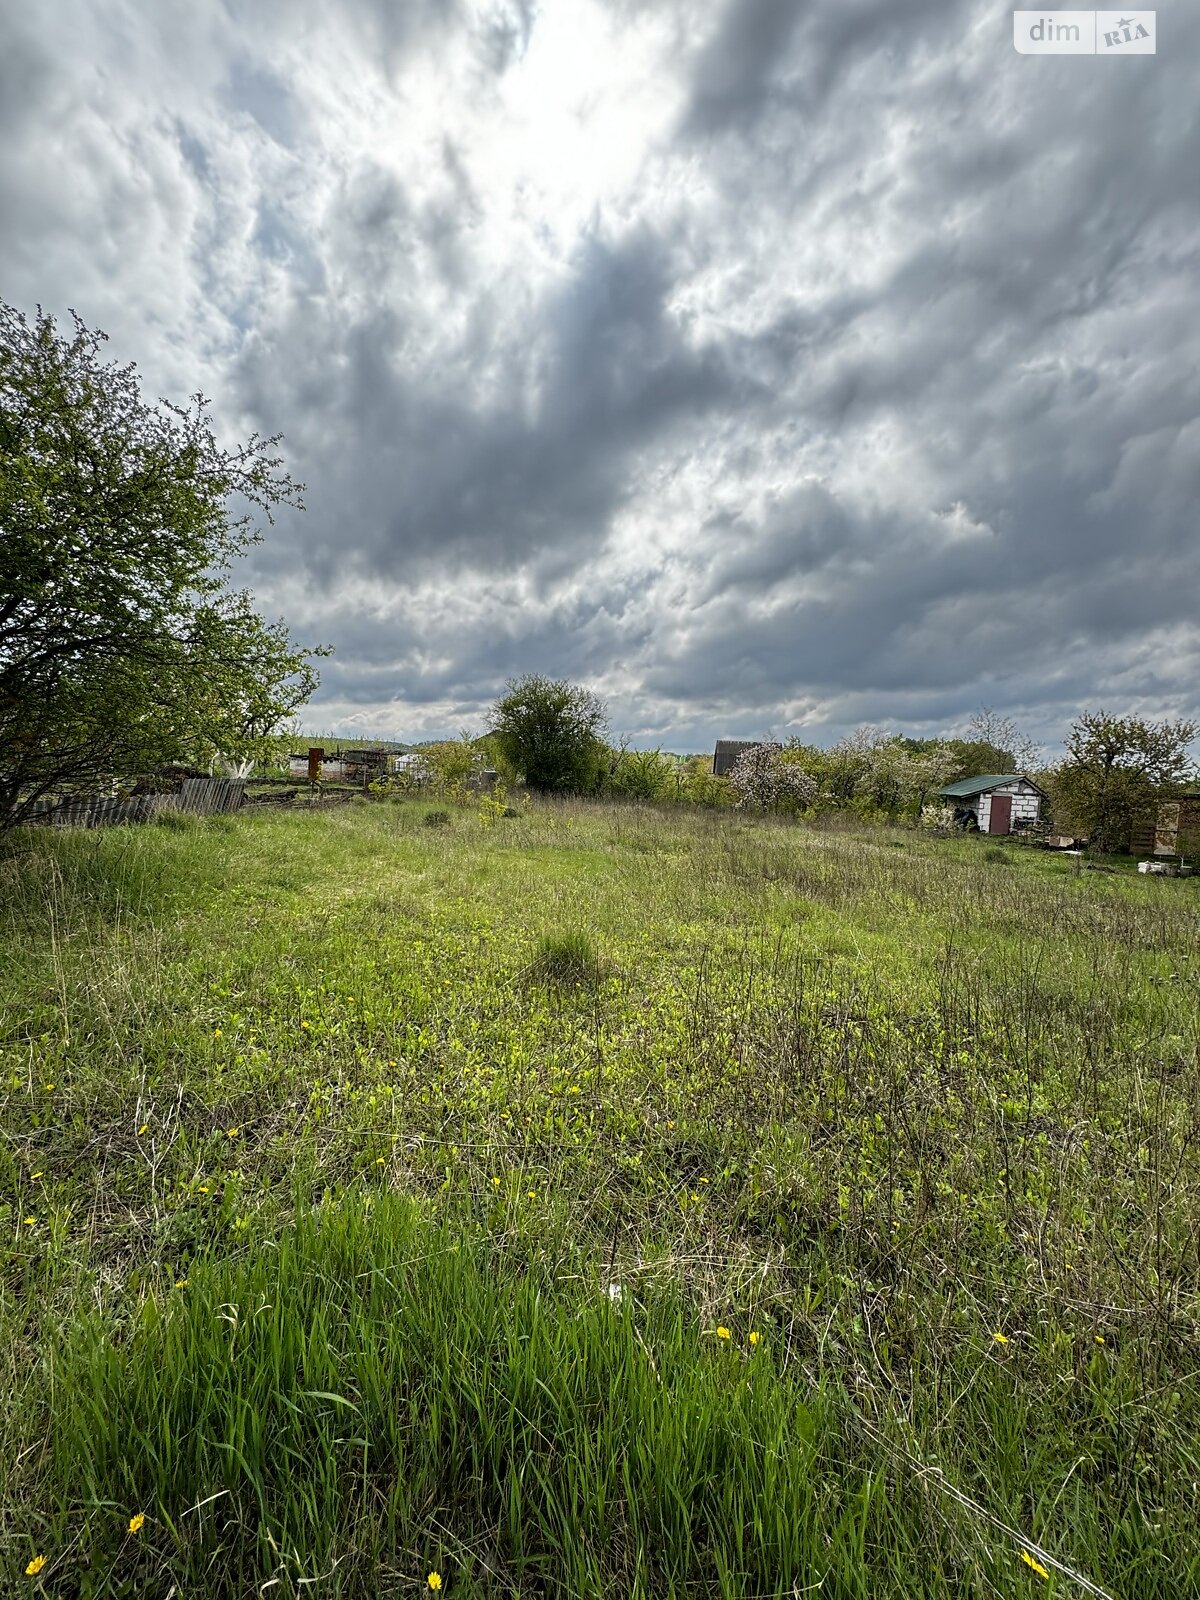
764	781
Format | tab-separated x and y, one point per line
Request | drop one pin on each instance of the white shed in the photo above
1000	802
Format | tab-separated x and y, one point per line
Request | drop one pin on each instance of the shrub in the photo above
937	818
436	819
996	855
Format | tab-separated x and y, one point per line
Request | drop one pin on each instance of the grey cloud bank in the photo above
764	365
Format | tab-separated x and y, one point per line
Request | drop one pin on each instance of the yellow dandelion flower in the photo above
434	1580
34	1176
232	1133
670	1124
49	1088
181	1283
1000	1338
1099	1338
724	1333
142	1129
381	1161
35	1566
31	1222
532	1193
203	1188
306	1026
216	1033
137	1522
495	1183
1036	1565
754	1339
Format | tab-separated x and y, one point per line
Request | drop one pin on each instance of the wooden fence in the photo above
199	797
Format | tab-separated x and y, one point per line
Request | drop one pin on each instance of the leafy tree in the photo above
121	648
1115	771
873	771
1000	733
552	733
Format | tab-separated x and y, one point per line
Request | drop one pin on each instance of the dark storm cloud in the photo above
864	385
604	377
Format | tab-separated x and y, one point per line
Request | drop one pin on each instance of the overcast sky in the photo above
768	366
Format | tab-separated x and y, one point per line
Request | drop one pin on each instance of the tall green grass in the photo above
374	1398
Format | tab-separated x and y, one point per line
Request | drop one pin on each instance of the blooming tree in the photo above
764	781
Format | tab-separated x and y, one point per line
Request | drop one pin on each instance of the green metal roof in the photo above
966	787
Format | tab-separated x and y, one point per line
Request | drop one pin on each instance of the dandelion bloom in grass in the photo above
35	1566
232	1133
34	1176
1099	1338
1036	1565
49	1088
181	1283
754	1338
143	1129
434	1580
31	1222
1000	1338
724	1333
136	1523
216	1033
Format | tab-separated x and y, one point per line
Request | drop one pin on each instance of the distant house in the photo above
727	752
341	766
997	802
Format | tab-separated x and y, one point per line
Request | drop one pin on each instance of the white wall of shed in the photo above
1026	804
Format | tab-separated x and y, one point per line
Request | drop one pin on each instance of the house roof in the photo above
965	788
727	747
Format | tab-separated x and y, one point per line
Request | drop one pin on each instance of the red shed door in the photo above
1001	816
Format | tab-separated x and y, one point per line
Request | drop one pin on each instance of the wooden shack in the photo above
1174	829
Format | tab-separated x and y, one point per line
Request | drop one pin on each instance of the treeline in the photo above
552	736
872	775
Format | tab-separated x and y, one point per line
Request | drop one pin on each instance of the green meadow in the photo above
599	1201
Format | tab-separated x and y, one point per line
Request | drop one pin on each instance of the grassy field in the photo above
600	1202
